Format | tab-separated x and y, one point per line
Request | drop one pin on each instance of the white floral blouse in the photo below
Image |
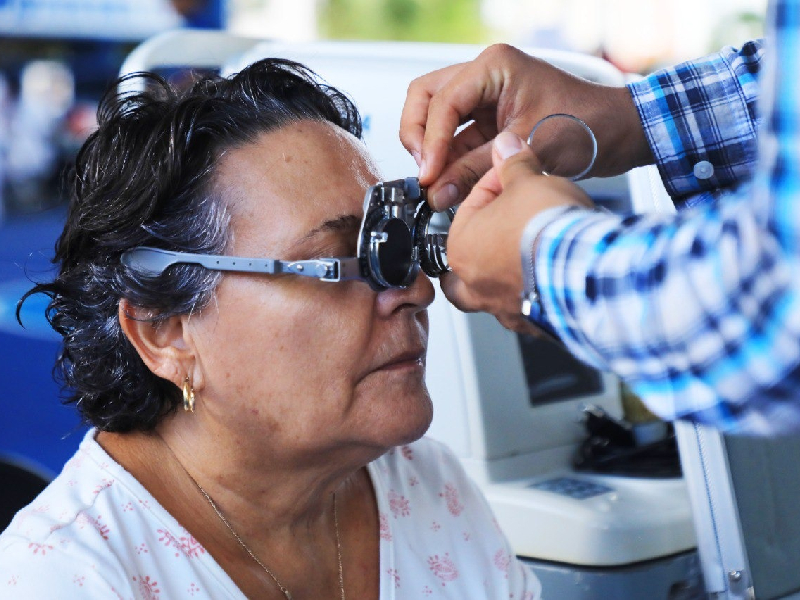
95	532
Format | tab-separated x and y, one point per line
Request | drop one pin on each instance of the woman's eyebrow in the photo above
342	223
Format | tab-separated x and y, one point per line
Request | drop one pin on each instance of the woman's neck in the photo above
281	506
262	488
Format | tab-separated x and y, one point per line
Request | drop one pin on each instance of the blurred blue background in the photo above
57	57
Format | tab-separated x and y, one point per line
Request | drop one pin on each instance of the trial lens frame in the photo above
152	262
393	210
396	239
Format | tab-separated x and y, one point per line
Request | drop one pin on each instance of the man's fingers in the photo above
512	157
473	86
465	172
437	140
467	140
412	124
459	296
414	116
460	177
517	165
482	194
514	162
457	293
467	161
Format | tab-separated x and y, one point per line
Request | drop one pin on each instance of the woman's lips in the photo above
406	360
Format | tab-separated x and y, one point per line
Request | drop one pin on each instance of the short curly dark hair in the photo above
145	178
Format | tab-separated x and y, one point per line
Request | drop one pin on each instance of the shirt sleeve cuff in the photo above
527	247
699	119
567	244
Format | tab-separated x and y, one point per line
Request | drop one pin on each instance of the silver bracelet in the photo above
585	127
531	302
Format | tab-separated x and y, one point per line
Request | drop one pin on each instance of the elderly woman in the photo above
252	434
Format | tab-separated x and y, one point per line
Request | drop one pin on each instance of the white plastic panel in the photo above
636	519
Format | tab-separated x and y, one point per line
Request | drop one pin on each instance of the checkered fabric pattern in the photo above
703	111
700	310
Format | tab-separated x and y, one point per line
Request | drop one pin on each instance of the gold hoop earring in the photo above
188	395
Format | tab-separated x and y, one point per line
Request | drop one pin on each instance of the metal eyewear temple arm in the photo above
153	261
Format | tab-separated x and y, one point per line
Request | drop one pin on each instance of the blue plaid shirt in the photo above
699	310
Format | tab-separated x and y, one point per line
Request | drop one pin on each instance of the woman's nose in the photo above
417	296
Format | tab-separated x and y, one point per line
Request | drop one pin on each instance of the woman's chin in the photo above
417	422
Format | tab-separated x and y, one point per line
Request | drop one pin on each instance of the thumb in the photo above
513	158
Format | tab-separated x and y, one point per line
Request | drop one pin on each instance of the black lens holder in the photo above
397	236
430	242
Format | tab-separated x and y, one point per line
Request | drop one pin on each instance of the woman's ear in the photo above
164	346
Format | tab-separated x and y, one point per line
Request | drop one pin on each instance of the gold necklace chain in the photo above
239	539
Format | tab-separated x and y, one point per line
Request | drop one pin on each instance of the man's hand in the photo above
504	89
483	244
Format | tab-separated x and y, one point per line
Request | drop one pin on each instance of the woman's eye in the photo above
336	248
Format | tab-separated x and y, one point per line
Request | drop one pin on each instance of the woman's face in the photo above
298	361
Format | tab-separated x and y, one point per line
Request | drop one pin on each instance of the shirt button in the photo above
703	170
